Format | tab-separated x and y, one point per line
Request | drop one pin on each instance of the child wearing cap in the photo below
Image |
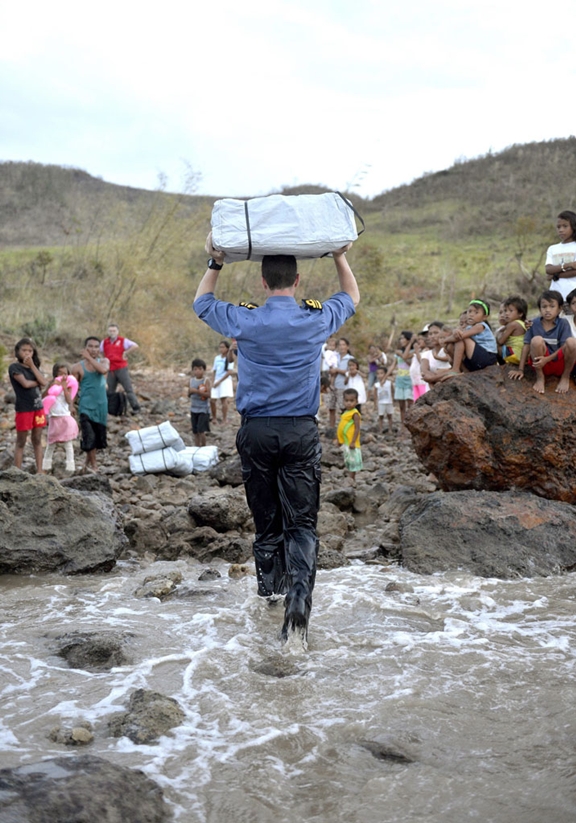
475	346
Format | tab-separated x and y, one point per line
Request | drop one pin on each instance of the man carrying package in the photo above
279	354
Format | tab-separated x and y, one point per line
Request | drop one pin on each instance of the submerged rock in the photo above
79	789
490	534
483	431
93	651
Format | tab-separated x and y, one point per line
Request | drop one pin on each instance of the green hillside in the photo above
76	251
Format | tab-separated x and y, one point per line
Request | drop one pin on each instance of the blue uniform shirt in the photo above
279	350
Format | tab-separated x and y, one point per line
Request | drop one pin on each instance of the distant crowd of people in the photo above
401	375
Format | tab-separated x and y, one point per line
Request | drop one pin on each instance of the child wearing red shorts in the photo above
548	345
27	380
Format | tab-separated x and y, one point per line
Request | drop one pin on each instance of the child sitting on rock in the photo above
475	346
548	345
511	335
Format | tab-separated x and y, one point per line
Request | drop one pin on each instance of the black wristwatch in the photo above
212	264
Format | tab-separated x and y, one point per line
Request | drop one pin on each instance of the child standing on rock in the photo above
383	389
199	391
62	427
27	380
348	433
222	387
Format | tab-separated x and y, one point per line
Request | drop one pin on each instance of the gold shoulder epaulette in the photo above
246	305
312	304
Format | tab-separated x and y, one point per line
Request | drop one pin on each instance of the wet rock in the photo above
79	735
93	651
159	587
222	511
70	531
236	571
150	715
490	534
483	431
400	588
330	558
228	472
209	574
277	666
79	789
384	751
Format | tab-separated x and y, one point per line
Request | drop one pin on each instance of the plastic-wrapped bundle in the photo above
161	460
195	459
304	225
153	438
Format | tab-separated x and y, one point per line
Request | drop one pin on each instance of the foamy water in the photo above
466	685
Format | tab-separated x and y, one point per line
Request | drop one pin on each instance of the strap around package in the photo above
248	232
359	216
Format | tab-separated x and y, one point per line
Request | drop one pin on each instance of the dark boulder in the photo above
485	431
78	789
490	534
45	527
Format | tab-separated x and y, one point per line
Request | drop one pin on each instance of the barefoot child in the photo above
90	372
383	389
27	380
348	433
511	335
354	380
548	345
475	346
199	391
62	427
222	387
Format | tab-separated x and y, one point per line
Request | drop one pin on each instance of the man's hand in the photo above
343	250
212	252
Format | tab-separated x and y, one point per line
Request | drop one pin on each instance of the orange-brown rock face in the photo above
485	431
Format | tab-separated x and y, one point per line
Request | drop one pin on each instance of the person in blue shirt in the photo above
278	395
548	345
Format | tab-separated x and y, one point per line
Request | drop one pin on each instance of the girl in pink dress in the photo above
62	427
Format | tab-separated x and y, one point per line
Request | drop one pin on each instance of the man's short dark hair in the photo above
279	270
92	337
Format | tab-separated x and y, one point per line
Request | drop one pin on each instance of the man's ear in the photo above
297	281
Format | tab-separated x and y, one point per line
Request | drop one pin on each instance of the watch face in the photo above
212	264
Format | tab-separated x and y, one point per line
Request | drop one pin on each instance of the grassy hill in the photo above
76	251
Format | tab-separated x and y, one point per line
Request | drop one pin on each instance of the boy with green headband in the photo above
475	346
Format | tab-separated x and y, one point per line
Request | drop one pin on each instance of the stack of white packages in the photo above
304	225
157	449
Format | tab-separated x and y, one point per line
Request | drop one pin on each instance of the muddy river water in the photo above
450	701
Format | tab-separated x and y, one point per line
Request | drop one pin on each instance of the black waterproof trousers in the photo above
281	472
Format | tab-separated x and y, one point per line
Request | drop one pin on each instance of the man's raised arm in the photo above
208	282
345	275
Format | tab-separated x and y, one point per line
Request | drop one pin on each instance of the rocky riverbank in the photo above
206	516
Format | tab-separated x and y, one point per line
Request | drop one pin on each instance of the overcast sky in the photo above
258	94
